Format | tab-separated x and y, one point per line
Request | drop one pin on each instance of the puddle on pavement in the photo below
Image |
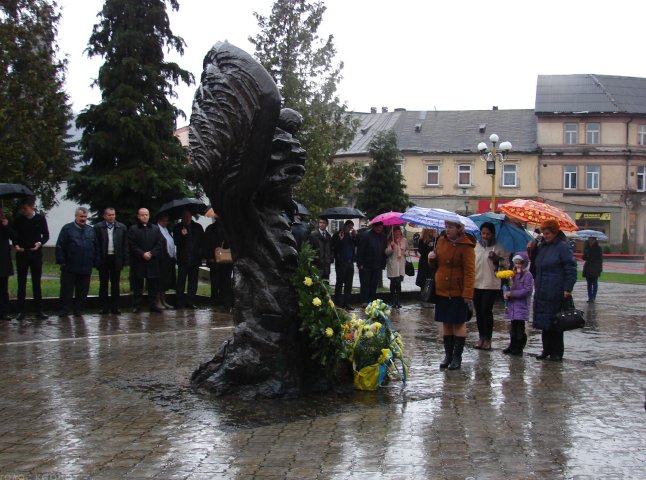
230	412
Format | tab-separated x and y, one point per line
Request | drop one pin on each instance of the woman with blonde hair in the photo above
396	263
454	257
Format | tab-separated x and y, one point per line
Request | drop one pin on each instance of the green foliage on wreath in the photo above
321	321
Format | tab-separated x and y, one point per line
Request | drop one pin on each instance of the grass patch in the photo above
629	278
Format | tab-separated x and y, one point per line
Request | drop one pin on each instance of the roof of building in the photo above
446	131
588	93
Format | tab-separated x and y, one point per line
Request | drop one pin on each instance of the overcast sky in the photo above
413	54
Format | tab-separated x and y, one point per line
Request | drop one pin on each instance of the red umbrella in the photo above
388	218
531	211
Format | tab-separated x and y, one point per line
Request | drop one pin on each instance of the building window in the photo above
641	135
641	178
464	175
570	131
569	177
400	167
509	175
592	177
593	133
432	175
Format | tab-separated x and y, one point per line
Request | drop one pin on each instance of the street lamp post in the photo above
490	160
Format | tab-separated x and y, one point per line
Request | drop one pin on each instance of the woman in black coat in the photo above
425	245
553	283
6	265
592	267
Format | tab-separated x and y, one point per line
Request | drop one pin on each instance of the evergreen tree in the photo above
383	188
301	64
133	158
34	109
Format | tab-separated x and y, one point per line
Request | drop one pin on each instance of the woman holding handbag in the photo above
454	257
425	246
396	263
553	283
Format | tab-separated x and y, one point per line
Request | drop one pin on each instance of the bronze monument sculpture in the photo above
243	148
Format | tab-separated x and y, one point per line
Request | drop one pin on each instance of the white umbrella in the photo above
585	234
435	218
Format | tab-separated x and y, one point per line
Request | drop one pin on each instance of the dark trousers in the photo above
369	279
4	296
343	287
74	290
552	342
593	286
26	261
483	301
222	284
186	283
110	276
152	285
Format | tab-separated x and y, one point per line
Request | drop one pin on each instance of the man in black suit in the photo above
112	237
321	241
188	236
31	234
145	246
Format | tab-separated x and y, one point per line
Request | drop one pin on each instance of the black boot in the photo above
396	300
512	339
448	351
547	345
458	347
521	338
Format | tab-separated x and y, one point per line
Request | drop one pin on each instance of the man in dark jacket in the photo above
343	245
31	234
321	241
112	237
6	265
145	247
77	252
188	236
371	260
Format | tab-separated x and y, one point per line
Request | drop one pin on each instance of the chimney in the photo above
373	109
384	109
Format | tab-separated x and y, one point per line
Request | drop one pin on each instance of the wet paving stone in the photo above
110	398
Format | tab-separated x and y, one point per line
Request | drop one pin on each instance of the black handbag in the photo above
409	269
428	291
568	318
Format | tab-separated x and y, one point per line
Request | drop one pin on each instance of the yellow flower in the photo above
329	332
369	333
331	303
307	282
353	316
504	274
377	326
316	302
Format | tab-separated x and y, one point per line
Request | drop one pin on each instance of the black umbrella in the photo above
301	209
341	213
14	190
174	208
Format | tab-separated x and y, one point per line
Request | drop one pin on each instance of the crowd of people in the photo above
464	270
159	259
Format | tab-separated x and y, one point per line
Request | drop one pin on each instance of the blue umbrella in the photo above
512	238
585	234
435	218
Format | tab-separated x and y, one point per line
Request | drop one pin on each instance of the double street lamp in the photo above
490	160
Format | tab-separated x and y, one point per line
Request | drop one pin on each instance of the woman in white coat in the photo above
396	263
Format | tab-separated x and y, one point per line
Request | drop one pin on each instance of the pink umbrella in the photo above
388	218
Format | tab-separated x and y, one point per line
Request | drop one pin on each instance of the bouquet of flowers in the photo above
505	276
374	347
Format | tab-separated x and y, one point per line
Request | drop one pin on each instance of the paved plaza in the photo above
106	397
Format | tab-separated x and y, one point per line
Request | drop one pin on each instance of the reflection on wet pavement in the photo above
108	397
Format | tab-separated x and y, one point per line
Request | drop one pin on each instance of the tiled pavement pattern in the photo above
108	398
